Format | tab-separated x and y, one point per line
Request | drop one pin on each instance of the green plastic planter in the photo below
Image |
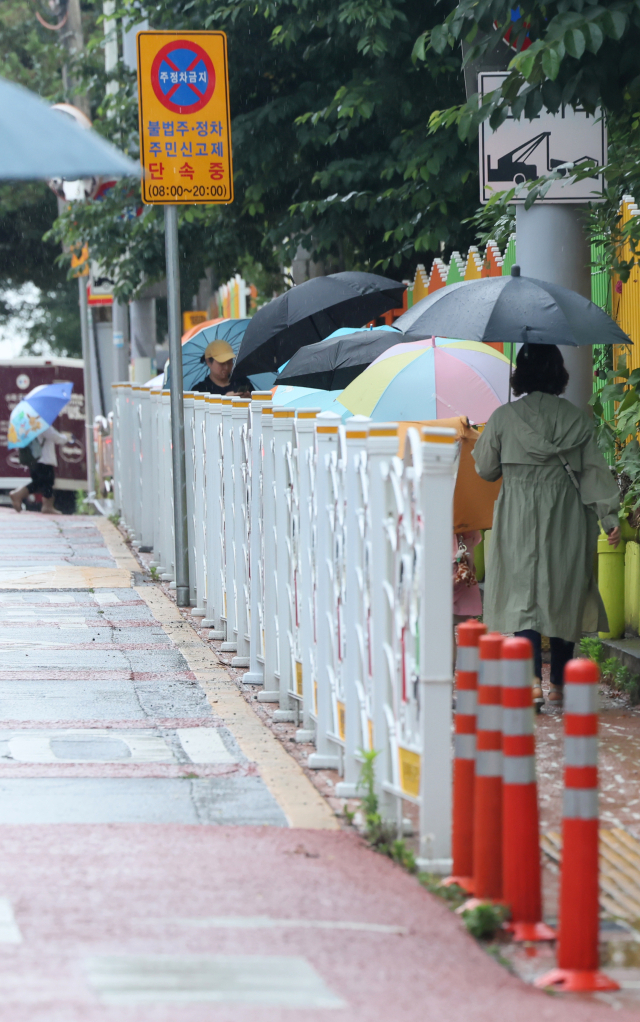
611	585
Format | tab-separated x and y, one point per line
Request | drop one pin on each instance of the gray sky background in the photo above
13	333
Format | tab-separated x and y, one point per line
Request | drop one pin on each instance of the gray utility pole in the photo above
552	245
72	39
551	241
120	312
177	407
88	396
143	338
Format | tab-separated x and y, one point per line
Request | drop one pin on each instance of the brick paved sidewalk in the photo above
163	857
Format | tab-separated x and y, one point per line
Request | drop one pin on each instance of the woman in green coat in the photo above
556	486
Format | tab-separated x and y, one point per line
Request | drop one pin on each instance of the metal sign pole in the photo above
185	75
88	395
177	407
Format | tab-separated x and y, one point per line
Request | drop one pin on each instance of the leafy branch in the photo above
616	407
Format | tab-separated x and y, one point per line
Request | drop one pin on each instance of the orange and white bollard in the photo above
469	633
578	958
487	817
521	886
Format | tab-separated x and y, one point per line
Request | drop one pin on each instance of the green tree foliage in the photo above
27	211
617	431
331	148
582	53
31	56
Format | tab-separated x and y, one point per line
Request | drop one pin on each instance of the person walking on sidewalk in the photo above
43	472
556	485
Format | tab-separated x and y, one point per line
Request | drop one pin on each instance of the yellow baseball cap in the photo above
220	351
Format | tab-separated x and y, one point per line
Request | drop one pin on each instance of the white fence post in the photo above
382	444
122	425
117	454
230	644
439	467
271	691
214	561
136	466
189	441
326	756
255	675
148	480
168	572
400	768
126	446
157	485
169	550
199	505
305	668
245	440
355	667
283	420
239	416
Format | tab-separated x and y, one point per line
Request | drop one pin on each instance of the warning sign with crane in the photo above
522	150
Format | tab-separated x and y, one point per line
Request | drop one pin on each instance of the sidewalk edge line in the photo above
303	806
116	545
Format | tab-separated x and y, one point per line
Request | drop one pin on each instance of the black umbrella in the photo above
309	313
511	309
333	363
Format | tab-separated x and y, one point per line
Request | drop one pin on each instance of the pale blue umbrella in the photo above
307	397
38	142
194	369
36	412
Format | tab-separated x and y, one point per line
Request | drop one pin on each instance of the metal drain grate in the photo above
619	870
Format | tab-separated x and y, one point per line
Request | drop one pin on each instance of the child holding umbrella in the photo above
42	471
31	432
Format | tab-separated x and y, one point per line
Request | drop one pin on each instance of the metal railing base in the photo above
442	867
269	697
345	789
304	735
317	761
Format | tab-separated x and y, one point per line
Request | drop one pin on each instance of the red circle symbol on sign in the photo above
183	77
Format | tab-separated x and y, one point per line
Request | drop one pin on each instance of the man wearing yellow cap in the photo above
219	356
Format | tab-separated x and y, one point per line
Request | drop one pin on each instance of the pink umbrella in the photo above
434	379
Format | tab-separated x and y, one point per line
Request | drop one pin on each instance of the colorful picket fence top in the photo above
490	263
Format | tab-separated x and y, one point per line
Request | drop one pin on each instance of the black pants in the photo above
561	653
42	479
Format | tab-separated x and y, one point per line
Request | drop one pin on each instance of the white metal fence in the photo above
323	561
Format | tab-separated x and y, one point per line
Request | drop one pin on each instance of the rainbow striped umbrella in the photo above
434	379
